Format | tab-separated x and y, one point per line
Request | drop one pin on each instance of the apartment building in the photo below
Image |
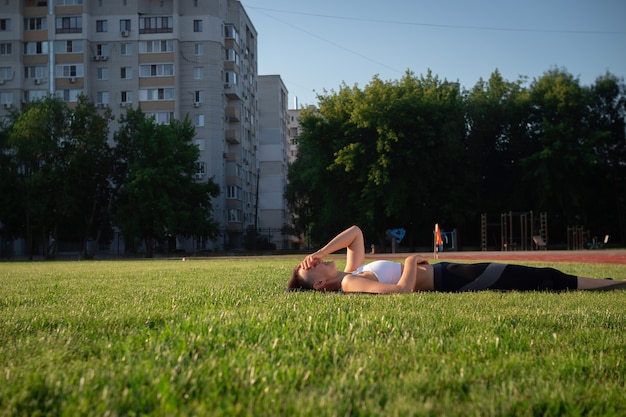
293	127
171	57
273	159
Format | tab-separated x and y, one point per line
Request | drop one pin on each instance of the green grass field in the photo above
222	337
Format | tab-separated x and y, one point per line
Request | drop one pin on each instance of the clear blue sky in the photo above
315	45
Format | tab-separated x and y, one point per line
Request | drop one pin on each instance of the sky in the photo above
317	45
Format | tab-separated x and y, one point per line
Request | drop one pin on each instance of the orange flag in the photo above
438	239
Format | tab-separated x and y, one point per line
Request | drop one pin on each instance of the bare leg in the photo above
595	284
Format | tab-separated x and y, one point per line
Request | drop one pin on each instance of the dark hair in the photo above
296	282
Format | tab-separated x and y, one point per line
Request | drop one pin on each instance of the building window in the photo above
35	23
69	24
6	73
6	49
102	97
160	24
70	96
68	2
198	96
68	47
32	95
199	120
234	216
156	94
127	49
5	25
6	98
124	25
198	73
127	96
156	70
102	25
102	73
232	55
36	72
156	47
197	25
102	49
231	32
234	192
230	77
126	73
200	169
198	49
35	48
162	118
195	3
69	70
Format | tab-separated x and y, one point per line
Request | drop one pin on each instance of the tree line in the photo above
61	179
419	150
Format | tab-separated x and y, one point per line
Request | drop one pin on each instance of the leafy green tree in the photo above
384	157
560	152
12	207
158	195
36	139
88	166
315	193
497	114
608	121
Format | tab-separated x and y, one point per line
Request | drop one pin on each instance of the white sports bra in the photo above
387	272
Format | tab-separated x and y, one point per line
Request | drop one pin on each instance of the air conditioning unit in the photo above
8	105
196	104
102	105
199	176
72	79
37	81
103	57
1	81
125	33
123	104
96	57
226	85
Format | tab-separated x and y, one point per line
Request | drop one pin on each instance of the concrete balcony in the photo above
233	136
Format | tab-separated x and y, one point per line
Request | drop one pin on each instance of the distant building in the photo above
172	58
273	159
293	127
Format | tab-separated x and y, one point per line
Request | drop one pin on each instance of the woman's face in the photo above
321	271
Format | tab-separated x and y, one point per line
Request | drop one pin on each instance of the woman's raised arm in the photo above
350	239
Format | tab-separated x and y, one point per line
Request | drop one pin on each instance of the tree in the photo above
560	152
315	194
497	113
384	157
11	209
608	121
158	195
36	139
88	163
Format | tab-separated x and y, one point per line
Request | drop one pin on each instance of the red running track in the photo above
609	256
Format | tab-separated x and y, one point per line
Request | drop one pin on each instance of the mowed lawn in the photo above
222	337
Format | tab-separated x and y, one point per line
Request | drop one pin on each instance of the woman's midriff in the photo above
425	278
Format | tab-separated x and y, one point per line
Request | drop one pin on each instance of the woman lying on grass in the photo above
384	277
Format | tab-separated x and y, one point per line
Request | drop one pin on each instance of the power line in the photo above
433	25
260	10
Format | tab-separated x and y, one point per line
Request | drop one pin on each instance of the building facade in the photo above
171	57
273	159
293	127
